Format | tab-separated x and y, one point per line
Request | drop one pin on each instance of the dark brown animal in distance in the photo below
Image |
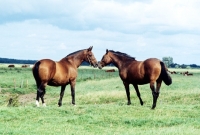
110	70
61	73
24	66
138	73
187	73
11	66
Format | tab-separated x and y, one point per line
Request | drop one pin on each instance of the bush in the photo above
13	100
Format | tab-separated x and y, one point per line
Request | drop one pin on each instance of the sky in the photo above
34	30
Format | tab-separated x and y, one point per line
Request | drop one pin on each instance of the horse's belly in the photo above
53	84
57	83
137	80
142	83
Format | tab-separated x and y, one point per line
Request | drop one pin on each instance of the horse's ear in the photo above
90	48
106	51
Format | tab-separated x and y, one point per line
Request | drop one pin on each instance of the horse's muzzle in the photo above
99	65
95	65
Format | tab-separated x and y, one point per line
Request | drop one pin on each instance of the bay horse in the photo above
137	73
61	73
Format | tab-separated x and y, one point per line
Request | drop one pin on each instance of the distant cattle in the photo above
111	70
11	66
25	66
183	73
187	73
172	72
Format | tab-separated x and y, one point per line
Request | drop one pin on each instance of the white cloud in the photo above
55	28
62	46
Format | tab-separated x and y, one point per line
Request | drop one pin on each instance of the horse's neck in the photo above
119	62
74	60
116	61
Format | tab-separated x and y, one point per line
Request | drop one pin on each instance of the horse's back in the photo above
65	73
142	72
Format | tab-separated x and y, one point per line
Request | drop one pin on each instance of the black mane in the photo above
74	53
123	54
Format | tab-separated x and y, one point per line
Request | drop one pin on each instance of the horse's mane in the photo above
122	54
73	53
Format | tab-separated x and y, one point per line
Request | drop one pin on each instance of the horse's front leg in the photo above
126	85
73	91
42	97
61	95
37	98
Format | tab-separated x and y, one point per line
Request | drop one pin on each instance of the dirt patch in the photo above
27	98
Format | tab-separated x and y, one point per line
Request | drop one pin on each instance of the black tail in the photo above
164	75
36	73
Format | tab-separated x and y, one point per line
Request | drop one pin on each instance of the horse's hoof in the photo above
44	105
37	103
153	107
141	103
129	103
73	104
59	104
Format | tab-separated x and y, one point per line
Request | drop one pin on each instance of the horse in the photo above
11	66
110	70
61	73
137	73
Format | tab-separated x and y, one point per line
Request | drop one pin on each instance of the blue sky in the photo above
141	28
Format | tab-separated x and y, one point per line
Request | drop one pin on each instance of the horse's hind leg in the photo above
155	92
42	97
40	94
138	93
37	98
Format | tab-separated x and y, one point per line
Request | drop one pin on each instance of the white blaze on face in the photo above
37	103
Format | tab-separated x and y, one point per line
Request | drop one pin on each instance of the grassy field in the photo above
100	106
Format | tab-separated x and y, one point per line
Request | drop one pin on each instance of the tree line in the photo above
169	63
175	65
17	61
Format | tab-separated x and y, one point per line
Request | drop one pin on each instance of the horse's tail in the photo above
164	75
35	71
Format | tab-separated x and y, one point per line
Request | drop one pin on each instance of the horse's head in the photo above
105	60
90	57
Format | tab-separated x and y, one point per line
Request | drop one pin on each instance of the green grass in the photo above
100	106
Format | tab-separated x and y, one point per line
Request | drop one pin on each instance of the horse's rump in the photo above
43	70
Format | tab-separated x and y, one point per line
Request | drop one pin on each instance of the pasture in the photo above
100	105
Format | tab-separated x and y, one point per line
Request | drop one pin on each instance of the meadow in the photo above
100	105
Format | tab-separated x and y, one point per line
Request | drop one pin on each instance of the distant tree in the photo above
84	63
174	65
177	66
188	67
168	61
183	66
193	66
